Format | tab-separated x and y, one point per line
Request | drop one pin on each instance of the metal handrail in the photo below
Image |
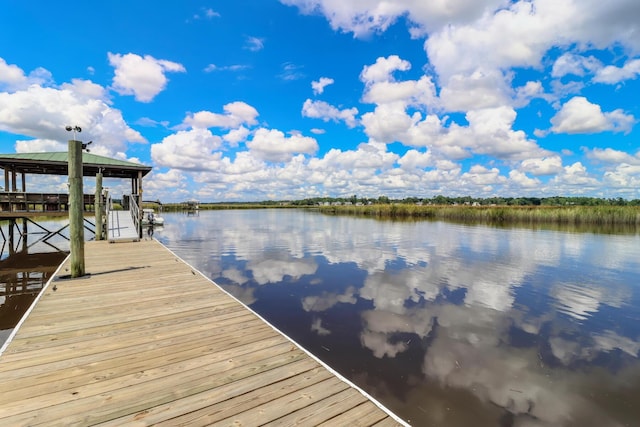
111	227
135	213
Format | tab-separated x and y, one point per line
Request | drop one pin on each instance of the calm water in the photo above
447	325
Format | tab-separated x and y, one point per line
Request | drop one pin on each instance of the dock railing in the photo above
14	201
111	220
135	213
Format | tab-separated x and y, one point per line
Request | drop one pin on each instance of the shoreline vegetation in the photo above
572	211
562	215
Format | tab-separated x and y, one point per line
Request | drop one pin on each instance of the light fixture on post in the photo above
74	129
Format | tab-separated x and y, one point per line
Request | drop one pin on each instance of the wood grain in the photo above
145	339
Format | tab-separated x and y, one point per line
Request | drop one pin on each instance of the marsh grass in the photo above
569	215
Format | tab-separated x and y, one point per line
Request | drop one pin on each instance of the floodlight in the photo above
74	129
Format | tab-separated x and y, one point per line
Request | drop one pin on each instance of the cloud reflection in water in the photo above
534	326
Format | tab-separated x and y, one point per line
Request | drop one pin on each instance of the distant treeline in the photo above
437	200
524	210
468	200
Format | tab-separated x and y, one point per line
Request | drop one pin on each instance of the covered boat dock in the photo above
16	199
17	204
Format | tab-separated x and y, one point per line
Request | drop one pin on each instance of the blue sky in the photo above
266	99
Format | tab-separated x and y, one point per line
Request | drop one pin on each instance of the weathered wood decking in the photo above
145	339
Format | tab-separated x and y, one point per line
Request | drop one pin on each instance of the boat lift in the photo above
15	237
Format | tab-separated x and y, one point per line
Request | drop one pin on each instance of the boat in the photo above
150	217
191	207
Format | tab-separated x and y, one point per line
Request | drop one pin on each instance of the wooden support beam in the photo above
99	207
76	205
140	213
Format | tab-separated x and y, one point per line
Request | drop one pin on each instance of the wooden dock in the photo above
146	339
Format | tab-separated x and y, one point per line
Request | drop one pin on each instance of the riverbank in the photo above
573	215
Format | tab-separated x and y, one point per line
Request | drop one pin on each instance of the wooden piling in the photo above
98	207
76	209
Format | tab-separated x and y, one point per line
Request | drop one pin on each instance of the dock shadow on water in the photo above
445	324
28	259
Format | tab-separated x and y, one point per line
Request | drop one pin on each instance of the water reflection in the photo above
446	324
28	259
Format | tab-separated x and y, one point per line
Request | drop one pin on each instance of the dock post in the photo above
12	223
99	206
76	208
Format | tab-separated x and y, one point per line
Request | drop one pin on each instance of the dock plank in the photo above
290	403
365	414
205	407
144	338
70	377
321	411
141	325
133	341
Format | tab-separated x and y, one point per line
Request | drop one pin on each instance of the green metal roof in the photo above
57	164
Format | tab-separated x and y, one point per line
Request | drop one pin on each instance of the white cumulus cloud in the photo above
612	74
13	78
190	150
570	63
611	156
366	16
327	112
272	145
235	114
318	86
578	115
43	112
142	77
542	166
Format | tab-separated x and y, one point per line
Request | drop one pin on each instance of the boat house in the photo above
16	202
16	199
